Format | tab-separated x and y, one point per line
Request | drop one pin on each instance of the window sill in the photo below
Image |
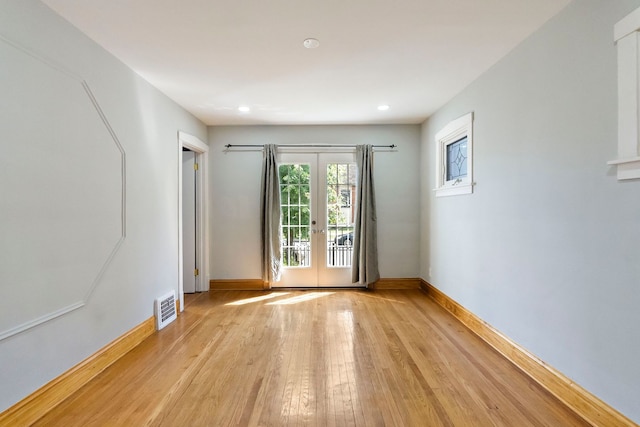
454	190
628	168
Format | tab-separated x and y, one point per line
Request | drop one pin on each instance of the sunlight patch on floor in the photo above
301	298
258	299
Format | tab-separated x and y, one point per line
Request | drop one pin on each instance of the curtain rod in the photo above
307	145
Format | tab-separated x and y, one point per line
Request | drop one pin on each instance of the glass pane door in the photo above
337	181
341	196
295	203
317	194
298	188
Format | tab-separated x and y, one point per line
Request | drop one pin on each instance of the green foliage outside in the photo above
340	179
295	204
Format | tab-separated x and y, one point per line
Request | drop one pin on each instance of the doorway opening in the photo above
193	230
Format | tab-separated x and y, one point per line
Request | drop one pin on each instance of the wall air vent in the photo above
165	310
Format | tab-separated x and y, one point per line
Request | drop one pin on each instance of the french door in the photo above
317	192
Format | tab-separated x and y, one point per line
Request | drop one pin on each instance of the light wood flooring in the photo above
317	358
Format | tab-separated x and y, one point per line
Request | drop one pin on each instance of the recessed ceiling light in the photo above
383	107
311	43
244	109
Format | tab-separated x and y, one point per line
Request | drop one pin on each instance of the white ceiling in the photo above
211	56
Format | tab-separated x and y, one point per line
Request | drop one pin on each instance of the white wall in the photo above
546	249
51	127
235	193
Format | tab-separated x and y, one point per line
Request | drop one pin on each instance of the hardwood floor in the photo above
254	358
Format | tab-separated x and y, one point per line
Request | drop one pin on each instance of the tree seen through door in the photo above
341	194
295	202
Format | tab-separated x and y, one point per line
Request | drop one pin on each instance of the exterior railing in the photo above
296	255
339	256
299	255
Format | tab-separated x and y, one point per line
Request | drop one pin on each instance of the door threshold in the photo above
321	288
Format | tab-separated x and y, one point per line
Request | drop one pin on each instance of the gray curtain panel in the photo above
270	216
365	241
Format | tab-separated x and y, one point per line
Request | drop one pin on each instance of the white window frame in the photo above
627	39
451	133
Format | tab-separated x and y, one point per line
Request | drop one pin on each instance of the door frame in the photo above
321	159
201	151
189	223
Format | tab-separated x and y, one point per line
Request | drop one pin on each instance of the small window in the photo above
457	159
454	155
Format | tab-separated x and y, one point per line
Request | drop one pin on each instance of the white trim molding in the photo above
627	39
35	68
202	158
454	132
